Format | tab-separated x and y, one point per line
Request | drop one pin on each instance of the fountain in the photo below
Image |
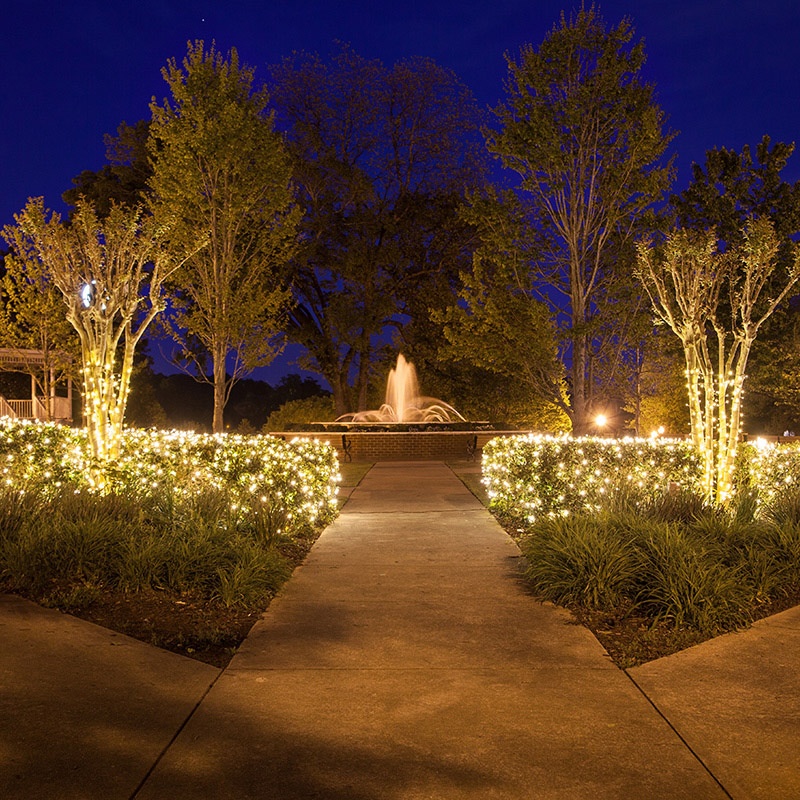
404	403
407	427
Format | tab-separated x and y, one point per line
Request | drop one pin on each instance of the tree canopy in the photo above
220	168
111	275
583	132
382	158
716	302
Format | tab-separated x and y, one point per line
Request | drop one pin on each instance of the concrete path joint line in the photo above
678	734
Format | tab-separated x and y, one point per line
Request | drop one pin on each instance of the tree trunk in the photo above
339	395
580	422
220	380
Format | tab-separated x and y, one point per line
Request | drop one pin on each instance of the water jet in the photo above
408	426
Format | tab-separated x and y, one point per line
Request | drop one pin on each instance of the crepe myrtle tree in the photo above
110	274
716	302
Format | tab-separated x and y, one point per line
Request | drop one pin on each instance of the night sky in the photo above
726	71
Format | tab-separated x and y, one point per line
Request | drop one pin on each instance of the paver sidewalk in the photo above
405	660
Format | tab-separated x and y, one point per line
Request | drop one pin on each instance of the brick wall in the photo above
403	446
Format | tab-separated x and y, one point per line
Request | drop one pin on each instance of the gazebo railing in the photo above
5	409
36	408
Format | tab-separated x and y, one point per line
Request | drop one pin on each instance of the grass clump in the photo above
219	518
575	561
82	543
674	570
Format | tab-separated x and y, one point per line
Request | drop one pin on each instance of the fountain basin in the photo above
407	427
370	442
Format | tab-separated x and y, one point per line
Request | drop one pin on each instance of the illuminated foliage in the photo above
529	477
715	303
32	318
220	168
269	481
110	274
585	135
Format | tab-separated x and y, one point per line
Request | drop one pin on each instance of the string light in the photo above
532	476
298	478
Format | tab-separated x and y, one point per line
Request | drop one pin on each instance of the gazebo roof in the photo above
20	357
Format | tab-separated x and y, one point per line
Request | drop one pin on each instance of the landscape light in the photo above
86	294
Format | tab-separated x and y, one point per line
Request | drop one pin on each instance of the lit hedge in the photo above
765	469
531	476
297	480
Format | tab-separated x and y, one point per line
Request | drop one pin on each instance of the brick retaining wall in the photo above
405	445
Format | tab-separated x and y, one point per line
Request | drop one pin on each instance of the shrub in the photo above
181	511
582	561
307	409
528	477
685	581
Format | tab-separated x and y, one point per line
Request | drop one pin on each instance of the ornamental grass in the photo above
183	512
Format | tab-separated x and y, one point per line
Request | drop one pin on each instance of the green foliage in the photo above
578	561
300	477
382	158
727	192
709	574
220	168
110	273
123	179
685	580
533	477
667	556
583	132
307	409
32	317
497	326
183	512
768	472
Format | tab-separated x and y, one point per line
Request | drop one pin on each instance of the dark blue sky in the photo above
726	71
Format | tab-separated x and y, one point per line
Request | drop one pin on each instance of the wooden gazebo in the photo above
55	408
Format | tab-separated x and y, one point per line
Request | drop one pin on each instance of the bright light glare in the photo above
87	294
600	420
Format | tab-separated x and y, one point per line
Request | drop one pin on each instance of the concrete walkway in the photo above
403	660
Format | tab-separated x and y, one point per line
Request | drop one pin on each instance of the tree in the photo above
123	180
220	167
382	157
655	392
497	324
110	275
32	321
585	135
728	190
716	302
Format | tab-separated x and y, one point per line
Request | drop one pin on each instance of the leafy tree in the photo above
111	275
585	135
727	191
732	188
382	159
716	302
220	167
123	180
655	392
498	325
33	321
